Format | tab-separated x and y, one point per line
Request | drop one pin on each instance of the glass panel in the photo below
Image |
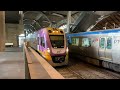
80	44
102	42
75	41
85	42
109	43
57	41
37	40
43	42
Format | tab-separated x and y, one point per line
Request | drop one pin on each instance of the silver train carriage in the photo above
100	48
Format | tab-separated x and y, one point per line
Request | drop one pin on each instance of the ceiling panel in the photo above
12	17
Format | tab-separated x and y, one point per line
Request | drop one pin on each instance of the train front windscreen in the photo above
57	41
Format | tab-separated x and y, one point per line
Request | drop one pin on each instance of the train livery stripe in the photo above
95	32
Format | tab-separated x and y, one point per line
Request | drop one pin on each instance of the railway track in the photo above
77	69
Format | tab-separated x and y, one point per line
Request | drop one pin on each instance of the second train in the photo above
101	48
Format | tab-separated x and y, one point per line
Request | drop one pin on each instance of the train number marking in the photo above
116	41
95	40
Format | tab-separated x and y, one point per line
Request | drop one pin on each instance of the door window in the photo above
102	43
75	41
86	42
109	43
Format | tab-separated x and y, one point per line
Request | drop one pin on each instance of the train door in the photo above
105	46
75	45
102	47
108	49
85	46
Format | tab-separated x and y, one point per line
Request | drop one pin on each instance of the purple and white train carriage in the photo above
51	44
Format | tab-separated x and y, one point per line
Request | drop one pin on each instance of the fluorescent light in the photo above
57	15
21	35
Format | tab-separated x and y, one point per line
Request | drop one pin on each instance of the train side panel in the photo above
103	49
44	44
116	48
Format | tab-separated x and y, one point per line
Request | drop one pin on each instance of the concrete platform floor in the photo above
12	64
14	49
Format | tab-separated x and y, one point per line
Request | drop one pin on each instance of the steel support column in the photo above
68	21
2	31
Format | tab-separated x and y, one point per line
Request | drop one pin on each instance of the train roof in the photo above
96	32
51	28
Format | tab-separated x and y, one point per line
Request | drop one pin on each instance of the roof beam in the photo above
108	23
30	26
116	22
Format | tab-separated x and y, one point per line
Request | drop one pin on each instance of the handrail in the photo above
27	55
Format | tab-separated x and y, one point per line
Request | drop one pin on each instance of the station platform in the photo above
12	65
36	70
39	68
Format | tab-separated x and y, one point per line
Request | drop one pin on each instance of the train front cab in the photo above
46	49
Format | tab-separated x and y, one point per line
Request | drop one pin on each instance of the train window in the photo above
37	40
109	43
57	41
102	41
85	42
42	42
75	41
80	42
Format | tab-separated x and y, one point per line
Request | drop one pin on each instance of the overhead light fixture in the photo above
22	35
56	14
46	21
20	12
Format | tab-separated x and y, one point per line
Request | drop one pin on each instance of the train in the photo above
100	47
51	44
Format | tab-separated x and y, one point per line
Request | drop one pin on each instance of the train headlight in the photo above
48	50
67	49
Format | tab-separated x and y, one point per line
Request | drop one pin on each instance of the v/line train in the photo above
101	47
51	44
